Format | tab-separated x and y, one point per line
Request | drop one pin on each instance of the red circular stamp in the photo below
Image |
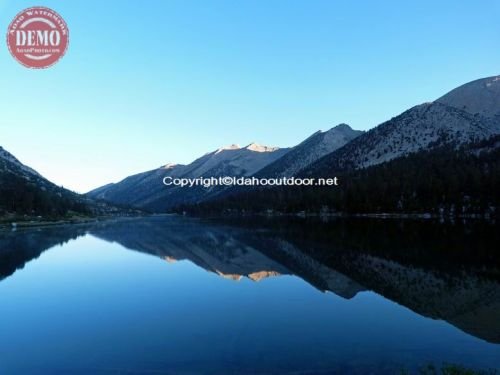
38	37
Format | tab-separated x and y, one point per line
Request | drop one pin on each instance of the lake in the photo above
174	295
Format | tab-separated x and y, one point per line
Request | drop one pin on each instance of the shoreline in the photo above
23	224
36	223
343	215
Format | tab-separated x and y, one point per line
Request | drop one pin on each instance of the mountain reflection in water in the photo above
447	272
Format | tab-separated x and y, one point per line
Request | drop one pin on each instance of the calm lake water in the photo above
169	295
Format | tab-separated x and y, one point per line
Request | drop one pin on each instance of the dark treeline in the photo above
19	195
445	180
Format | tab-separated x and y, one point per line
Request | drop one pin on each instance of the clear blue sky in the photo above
149	82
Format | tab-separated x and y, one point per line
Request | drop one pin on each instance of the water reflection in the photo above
17	247
447	272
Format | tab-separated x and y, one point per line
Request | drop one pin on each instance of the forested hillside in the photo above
446	180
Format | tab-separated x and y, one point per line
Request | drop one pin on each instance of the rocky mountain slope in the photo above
307	152
481	96
10	162
234	161
146	190
464	115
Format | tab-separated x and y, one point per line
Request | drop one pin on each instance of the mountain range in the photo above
456	118
430	133
147	191
464	116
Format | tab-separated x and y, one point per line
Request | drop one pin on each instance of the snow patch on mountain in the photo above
260	148
234	146
170	166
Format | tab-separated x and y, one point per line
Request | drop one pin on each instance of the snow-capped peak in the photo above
234	146
251	147
260	148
